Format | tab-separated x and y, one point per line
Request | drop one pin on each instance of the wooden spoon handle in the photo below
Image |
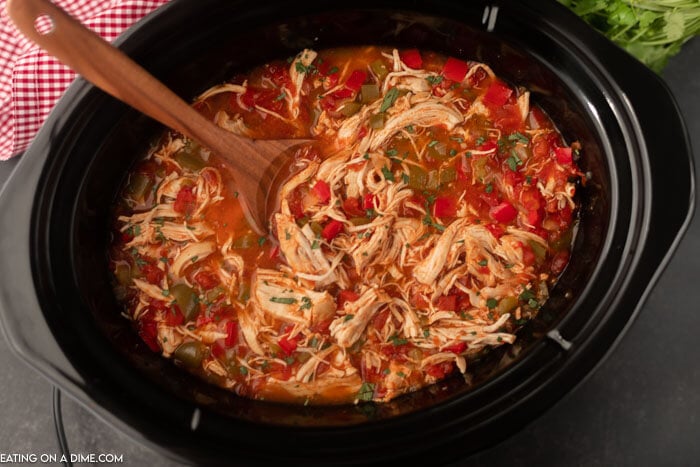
111	70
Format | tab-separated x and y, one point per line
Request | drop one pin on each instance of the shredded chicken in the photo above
416	233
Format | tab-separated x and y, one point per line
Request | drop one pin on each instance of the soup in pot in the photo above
426	223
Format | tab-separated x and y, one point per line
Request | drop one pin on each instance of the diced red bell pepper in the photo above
322	192
231	334
563	155
444	207
206	280
332	229
369	201
184	202
457	347
447	303
352	207
504	212
412	58
287	345
127	236
345	296
356	80
455	69
497	94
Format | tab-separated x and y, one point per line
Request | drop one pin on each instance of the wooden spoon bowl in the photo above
254	164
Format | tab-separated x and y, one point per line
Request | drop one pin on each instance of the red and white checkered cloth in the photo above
31	81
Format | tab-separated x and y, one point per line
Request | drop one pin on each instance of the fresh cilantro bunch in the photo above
651	30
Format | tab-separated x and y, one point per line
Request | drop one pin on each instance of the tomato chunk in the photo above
457	347
322	191
412	58
455	69
332	229
447	303
173	316
504	212
231	334
497	94
352	207
148	331
563	155
287	345
345	296
152	274
369	201
206	280
440	370
184	202
444	207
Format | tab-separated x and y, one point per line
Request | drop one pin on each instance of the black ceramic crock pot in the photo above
60	315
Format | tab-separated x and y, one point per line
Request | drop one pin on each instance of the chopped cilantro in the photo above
315	245
526	295
389	99
480	140
165	292
392	152
305	303
194	259
405	178
397	341
532	303
517	136
513	162
489	188
483	262
283	300
348	317
433	80
433	143
388	174
333	69
261	241
491	303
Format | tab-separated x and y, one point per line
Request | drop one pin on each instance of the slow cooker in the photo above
61	317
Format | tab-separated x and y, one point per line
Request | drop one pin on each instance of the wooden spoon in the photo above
252	162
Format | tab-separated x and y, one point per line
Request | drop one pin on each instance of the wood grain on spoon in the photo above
112	71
